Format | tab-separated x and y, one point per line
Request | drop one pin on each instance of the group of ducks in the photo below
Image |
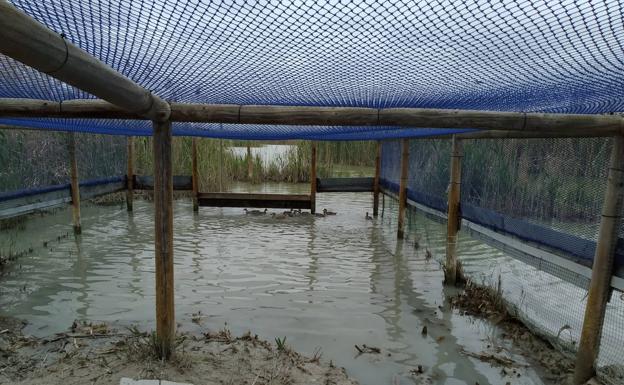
291	213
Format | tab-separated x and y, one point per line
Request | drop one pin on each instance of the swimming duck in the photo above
328	212
279	216
319	215
255	212
303	213
368	217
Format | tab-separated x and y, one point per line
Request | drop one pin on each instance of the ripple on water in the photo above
323	282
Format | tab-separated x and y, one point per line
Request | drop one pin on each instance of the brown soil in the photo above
97	354
486	302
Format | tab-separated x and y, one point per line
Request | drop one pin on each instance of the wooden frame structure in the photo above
33	44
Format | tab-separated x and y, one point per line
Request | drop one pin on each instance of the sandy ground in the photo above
97	354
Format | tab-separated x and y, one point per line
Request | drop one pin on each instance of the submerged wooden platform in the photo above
273	201
360	184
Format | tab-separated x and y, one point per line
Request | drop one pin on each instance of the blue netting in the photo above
554	56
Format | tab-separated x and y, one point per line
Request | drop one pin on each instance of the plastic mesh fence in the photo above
32	159
558	56
541	191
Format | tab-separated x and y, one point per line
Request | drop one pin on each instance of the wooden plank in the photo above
363	184
130	175
313	179
75	188
532	124
376	180
32	43
180	182
403	187
602	270
195	174
255	200
454	218
163	219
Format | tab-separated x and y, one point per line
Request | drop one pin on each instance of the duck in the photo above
303	213
255	212
328	212
279	216
368	217
319	215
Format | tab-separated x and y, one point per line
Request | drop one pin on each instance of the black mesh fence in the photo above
32	159
544	194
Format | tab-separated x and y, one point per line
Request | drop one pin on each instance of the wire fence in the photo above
545	192
32	159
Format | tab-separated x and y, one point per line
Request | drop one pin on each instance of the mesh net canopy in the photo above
552	56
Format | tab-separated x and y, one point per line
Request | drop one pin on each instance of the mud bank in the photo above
100	354
556	365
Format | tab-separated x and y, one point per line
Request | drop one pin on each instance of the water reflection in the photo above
322	282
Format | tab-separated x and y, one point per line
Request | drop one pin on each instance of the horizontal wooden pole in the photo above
32	43
532	124
497	134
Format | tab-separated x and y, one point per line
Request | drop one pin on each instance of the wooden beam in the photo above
496	134
163	219
403	187
534	123
75	185
376	182
454	217
130	174
313	179
288	201
32	43
195	174
599	287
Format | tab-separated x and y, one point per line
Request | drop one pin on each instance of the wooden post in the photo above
195	175
249	163
163	219
403	187
599	287
313	179
453	218
130	175
376	183
75	186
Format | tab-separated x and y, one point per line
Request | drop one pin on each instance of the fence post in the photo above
130	175
249	163
599	287
163	212
453	218
313	179
376	183
194	174
403	187
75	186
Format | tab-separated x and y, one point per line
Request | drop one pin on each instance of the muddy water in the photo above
323	283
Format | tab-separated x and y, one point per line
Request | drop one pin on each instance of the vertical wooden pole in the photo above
453	218
403	187
313	179
195	174
75	186
220	165
599	287
163	213
130	175
249	163
376	183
